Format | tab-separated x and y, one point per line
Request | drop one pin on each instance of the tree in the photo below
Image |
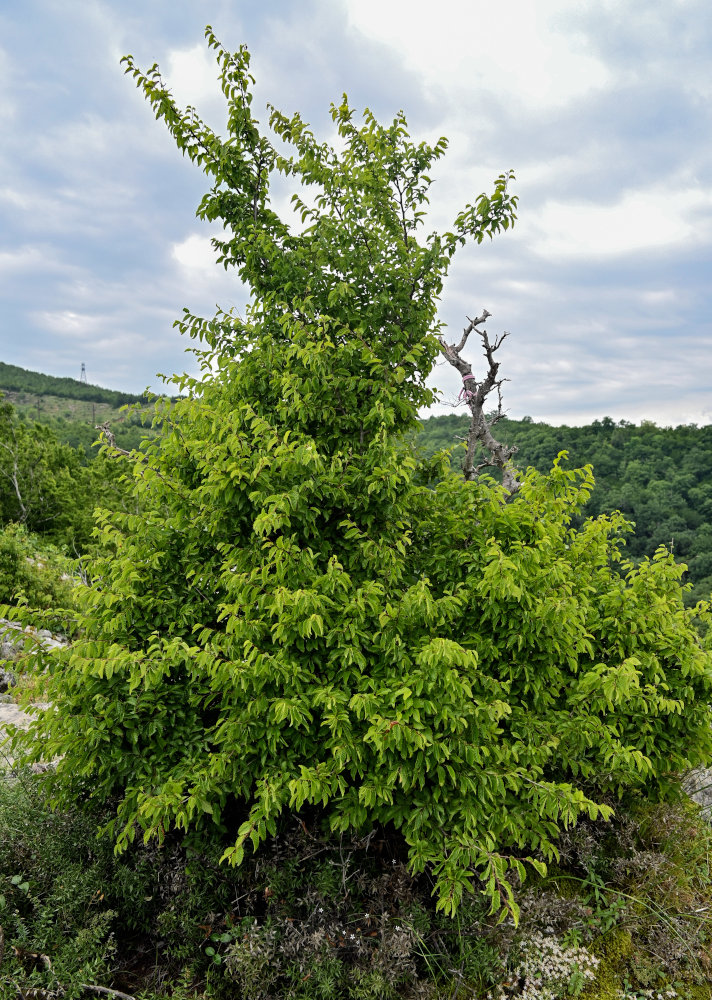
475	395
40	479
294	619
46	485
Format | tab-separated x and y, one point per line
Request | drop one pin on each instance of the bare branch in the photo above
137	457
258	181
475	394
468	329
14	476
404	222
105	991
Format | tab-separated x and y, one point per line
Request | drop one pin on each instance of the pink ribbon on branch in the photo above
465	393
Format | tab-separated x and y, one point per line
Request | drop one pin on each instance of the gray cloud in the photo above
603	284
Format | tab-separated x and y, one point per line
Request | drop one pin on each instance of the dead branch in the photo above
468	329
108	435
136	456
105	991
475	393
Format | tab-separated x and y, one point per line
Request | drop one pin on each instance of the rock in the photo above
9	650
698	785
7	680
12	648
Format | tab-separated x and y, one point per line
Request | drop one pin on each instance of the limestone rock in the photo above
7	679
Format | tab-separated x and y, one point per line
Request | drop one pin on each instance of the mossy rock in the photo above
606	986
614	948
621	962
694	992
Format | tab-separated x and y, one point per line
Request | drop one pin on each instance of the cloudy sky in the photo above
603	109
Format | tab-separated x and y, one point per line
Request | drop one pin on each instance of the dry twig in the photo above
105	991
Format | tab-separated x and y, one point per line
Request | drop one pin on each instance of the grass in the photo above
626	913
47	408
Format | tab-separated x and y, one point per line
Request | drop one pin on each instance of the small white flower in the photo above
321	909
352	937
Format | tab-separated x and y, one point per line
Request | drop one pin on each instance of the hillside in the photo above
20	380
659	477
72	409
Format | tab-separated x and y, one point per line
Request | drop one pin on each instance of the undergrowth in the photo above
625	914
35	573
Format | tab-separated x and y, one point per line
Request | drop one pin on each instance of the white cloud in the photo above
195	253
659	297
25	259
67	323
518	49
8	106
192	75
198	281
638	221
11	196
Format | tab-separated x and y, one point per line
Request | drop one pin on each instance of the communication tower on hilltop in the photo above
83	375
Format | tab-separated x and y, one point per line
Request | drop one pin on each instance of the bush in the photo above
58	933
295	621
32	571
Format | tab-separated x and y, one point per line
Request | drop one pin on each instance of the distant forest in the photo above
72	409
658	477
15	379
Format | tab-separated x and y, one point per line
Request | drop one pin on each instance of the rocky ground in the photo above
11	713
12	642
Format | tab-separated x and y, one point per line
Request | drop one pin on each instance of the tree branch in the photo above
105	991
475	394
402	208
468	329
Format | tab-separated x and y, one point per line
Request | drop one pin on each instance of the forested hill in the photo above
659	477
72	409
15	379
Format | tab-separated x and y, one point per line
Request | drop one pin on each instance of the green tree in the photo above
49	488
39	477
659	478
294	619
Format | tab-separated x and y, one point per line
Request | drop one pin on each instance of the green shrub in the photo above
32	571
294	621
58	932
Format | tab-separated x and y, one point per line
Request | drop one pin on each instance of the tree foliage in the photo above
294	619
47	487
660	478
39	478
